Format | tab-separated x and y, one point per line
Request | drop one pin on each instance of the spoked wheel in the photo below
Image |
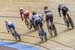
52	29
28	24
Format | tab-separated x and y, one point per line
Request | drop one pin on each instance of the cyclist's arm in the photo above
59	10
7	27
21	15
43	15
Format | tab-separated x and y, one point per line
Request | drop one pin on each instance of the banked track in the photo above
39	45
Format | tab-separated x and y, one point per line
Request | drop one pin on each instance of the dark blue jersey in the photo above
47	12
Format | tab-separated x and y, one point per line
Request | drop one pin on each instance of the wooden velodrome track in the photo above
9	10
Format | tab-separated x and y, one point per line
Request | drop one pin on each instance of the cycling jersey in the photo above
36	17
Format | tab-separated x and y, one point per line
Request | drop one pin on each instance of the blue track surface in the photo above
18	46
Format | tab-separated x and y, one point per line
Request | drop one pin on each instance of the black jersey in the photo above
64	9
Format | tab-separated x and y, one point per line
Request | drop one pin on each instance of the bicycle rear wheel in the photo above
71	22
54	30
49	28
42	34
28	24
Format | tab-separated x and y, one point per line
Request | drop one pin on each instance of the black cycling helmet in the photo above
46	7
33	13
60	5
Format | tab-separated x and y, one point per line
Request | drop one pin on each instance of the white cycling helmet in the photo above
21	9
6	20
